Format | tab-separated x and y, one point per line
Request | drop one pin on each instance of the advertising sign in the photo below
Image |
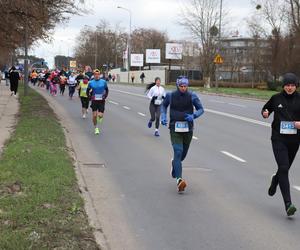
137	60
174	51
152	55
72	64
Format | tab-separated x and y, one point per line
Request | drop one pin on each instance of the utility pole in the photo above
26	52
219	44
96	50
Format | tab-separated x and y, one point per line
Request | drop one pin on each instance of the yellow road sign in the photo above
218	59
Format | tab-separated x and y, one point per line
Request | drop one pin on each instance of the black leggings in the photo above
284	153
84	102
155	114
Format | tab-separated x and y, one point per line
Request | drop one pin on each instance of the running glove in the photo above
164	122
153	98
189	117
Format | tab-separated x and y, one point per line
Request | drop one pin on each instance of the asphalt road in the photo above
228	170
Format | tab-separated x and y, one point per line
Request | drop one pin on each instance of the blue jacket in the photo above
180	105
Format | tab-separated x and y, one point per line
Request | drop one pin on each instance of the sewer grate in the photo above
94	165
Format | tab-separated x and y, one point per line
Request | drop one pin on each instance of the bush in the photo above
274	85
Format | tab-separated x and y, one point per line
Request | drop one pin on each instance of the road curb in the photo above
89	203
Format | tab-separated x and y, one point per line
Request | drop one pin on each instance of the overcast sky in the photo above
159	14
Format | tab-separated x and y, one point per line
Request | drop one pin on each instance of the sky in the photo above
162	15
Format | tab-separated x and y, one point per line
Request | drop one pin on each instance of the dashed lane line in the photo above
233	156
195	138
141	114
297	188
112	102
241	118
125	107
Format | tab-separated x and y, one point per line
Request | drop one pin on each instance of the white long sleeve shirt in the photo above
156	91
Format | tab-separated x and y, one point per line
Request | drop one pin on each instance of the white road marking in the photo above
195	138
114	102
238	117
214	112
297	188
125	107
141	114
238	105
233	156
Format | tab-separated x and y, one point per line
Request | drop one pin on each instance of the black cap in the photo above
290	78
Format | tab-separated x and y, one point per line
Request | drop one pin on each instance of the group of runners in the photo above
185	106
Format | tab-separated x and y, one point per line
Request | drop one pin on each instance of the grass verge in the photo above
40	204
243	92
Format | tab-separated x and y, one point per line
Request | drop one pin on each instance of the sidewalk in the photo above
9	107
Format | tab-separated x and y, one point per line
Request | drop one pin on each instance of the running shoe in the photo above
149	124
273	186
291	209
97	131
83	116
181	185
172	172
156	133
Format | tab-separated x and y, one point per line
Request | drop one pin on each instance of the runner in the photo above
98	91
82	88
156	94
182	115
285	135
72	85
62	84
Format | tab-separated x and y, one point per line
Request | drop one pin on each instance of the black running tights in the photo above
284	153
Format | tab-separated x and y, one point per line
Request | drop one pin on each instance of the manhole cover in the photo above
94	165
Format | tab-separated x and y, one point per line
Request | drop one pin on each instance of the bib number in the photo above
288	128
157	102
181	127
98	97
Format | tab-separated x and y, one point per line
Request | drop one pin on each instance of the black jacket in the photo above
286	108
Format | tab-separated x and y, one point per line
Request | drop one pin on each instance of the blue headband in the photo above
182	80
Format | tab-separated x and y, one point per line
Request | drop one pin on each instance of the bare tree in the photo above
274	13
38	17
104	45
201	17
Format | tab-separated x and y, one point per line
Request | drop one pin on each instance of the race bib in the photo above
181	127
158	101
98	97
288	128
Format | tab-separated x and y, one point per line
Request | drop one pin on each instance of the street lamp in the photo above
129	40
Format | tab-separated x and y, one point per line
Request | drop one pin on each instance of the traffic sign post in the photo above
218	59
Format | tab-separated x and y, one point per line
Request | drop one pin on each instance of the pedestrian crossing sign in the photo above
218	59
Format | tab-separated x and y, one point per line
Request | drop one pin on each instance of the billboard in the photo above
137	60
73	64
152	55
174	51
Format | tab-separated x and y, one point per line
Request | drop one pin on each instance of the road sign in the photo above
218	59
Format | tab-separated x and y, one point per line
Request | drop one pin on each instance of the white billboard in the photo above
137	60
174	51
152	55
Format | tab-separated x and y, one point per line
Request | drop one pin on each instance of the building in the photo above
245	59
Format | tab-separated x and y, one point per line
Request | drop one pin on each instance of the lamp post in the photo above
26	52
129	41
219	42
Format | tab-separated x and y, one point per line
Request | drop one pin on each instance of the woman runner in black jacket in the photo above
285	135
